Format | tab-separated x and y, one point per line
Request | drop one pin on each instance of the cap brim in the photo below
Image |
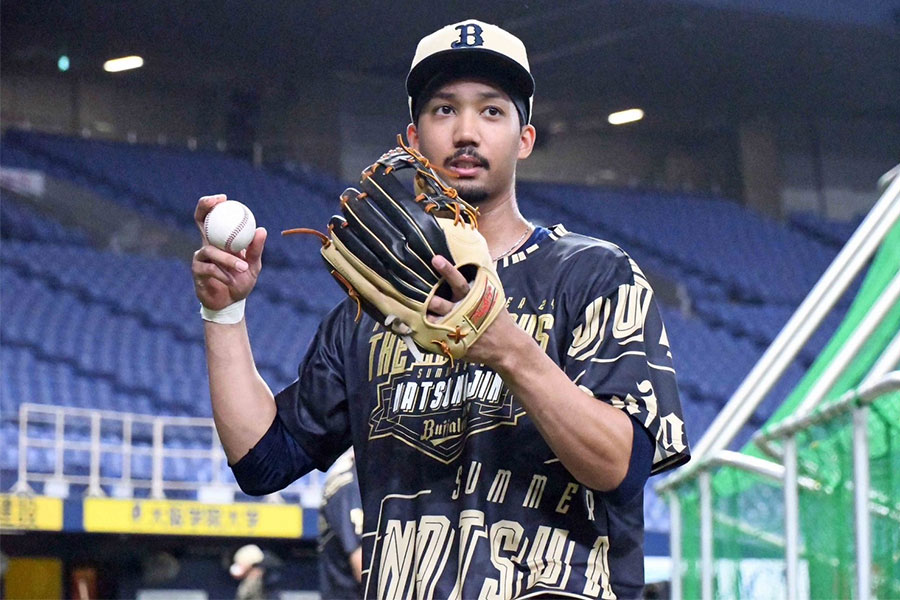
480	61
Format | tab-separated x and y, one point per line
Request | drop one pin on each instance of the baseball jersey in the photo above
462	497
340	528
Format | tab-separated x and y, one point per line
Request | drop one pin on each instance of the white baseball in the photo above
230	226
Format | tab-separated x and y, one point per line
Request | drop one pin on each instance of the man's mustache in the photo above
470	152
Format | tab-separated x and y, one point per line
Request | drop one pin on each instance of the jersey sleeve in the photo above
343	511
618	352
314	407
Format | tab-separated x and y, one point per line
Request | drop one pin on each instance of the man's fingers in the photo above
255	249
457	282
439	306
221	258
204	205
208	270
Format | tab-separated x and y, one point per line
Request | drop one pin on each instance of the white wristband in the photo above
229	315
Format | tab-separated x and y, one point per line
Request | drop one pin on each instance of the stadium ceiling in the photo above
686	58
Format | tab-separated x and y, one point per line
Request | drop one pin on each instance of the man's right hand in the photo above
222	278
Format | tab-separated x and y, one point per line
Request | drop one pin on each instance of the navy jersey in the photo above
340	528
462	497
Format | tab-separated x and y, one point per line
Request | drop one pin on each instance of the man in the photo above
249	570
517	472
340	528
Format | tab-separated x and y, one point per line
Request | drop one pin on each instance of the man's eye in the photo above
444	110
493	111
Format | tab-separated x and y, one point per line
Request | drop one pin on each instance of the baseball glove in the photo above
380	252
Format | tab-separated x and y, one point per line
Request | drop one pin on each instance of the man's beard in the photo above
474	195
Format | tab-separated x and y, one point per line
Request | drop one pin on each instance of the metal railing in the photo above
711	452
865	500
117	453
857	401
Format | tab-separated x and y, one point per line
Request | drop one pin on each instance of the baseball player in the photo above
340	531
517	471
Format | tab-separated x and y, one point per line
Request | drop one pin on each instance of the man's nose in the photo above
466	131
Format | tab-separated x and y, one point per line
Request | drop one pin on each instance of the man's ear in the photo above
412	135
526	141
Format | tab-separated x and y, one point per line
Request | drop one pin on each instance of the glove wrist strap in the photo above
231	314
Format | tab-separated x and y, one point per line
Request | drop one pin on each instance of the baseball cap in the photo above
476	48
246	557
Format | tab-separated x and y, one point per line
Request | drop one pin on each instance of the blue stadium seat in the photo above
23	223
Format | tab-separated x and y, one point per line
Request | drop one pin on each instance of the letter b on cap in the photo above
469	36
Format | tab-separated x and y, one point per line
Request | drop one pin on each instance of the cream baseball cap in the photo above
246	558
476	48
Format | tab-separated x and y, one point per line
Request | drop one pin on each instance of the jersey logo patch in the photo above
436	409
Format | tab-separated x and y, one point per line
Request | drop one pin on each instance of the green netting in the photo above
884	467
749	510
826	516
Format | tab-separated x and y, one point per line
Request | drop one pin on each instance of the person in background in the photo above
340	531
248	568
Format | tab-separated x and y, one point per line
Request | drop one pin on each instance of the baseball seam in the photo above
234	232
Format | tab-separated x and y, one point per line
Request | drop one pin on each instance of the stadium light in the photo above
63	63
124	63
625	116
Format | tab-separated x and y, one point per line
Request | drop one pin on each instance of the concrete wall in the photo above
109	107
830	167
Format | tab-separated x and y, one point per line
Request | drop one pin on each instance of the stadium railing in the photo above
858	401
119	445
711	451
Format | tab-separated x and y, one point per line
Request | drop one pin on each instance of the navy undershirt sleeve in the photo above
638	467
273	463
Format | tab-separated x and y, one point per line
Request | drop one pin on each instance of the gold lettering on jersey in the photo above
385	357
590	333
563	506
373	343
471	479
395	573
389	355
597	574
671	433
533	496
438	432
541	332
471	530
398	364
535	491
548	566
412	396
631	310
537	326
497	493
505	537
414	556
434	540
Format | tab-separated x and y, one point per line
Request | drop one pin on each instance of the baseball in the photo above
230	226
